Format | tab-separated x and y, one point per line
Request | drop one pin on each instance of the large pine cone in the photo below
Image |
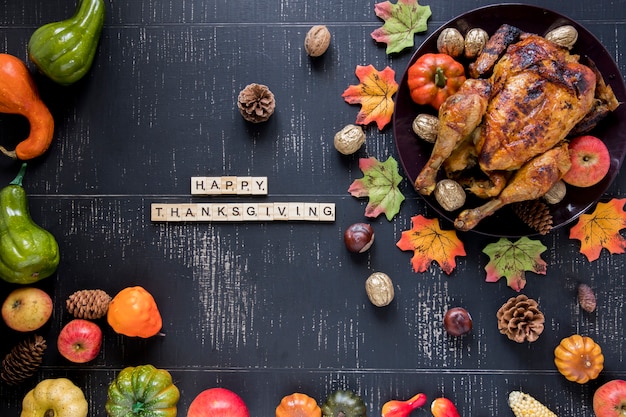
88	304
520	319
256	103
23	360
535	214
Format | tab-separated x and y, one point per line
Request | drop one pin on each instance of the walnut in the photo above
475	41
586	298
556	193
349	139
565	36
256	103
451	42
450	195
520	319
317	40
426	126
379	289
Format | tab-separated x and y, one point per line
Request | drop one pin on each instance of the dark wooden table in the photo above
270	308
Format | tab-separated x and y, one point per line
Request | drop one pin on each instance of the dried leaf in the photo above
430	243
374	93
379	183
511	260
601	229
402	21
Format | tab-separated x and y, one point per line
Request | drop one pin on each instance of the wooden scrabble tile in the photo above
157	212
265	212
250	212
327	212
244	185
311	211
259	185
281	211
229	185
296	211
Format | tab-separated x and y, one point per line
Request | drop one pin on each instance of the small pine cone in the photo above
536	214
256	103
88	304
520	319
586	298
23	360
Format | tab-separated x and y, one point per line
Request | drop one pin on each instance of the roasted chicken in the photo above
511	124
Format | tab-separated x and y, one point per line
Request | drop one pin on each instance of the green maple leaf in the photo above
402	21
379	183
511	260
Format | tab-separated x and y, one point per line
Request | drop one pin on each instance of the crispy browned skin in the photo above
540	93
496	45
532	181
458	117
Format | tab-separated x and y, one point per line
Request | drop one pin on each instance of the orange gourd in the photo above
578	358
18	95
133	312
298	405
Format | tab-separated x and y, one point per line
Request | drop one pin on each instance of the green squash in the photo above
64	50
142	391
342	403
28	252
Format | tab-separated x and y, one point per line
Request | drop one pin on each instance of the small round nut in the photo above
317	40
556	193
426	126
359	237
379	289
565	36
349	139
475	41
450	195
451	42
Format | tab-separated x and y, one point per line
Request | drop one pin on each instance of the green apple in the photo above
26	309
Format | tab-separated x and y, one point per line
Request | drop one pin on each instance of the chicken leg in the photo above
530	182
458	117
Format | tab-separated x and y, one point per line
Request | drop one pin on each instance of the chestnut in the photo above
457	321
358	237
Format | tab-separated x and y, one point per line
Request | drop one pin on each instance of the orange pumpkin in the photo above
578	358
133	312
298	405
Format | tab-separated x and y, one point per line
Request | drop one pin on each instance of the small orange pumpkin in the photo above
133	312
578	358
298	405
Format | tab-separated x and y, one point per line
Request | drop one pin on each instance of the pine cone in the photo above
536	214
23	360
256	103
88	304
520	319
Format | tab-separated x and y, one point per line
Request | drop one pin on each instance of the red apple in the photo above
80	340
590	161
218	402
26	309
610	399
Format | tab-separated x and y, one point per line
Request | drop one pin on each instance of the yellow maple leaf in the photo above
601	229
374	93
430	243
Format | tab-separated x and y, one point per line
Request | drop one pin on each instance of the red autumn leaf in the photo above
601	229
374	93
380	184
511	260
430	243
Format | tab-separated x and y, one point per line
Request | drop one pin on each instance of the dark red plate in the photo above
414	152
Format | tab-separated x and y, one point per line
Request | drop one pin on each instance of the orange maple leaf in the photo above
374	93
600	229
430	243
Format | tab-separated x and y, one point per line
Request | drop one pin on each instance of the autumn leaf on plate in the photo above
511	260
402	21
379	183
601	229
374	93
430	243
